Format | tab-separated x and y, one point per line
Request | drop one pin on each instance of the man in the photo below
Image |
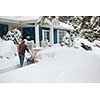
21	52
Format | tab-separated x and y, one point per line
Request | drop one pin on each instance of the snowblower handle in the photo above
29	51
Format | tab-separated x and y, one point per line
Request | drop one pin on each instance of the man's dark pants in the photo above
21	58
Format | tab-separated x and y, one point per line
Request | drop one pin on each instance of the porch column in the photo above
37	34
51	35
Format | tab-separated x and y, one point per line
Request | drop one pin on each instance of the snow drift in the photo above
8	54
58	64
7	49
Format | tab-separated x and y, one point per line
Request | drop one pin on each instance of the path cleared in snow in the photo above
8	69
7	63
12	68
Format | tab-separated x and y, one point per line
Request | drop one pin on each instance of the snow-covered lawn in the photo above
59	64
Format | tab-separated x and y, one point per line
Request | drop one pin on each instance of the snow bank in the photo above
8	54
7	49
62	64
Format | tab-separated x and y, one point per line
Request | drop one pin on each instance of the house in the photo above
33	28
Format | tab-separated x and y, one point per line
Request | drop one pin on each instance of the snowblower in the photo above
30	58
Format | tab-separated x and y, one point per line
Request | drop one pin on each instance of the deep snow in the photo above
8	54
58	64
7	49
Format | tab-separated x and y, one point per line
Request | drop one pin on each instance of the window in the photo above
45	38
61	34
46	35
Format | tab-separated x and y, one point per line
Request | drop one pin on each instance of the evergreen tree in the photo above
88	27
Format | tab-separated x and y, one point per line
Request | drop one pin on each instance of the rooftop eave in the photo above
8	21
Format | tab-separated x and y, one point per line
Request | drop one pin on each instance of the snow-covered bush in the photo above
96	43
45	43
68	39
30	44
84	43
7	49
15	35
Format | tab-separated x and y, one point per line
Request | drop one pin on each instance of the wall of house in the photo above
3	29
28	33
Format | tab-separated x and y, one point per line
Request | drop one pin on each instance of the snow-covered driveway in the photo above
59	64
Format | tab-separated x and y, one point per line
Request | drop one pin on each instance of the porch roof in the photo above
18	20
66	26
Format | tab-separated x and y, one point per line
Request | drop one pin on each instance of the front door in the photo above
45	37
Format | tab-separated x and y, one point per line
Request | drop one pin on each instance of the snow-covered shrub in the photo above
7	49
30	44
14	35
86	47
84	43
68	39
96	43
45	43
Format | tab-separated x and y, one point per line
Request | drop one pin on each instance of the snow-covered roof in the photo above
31	19
58	24
66	26
20	18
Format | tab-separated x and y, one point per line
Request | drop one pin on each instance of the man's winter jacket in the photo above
22	48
